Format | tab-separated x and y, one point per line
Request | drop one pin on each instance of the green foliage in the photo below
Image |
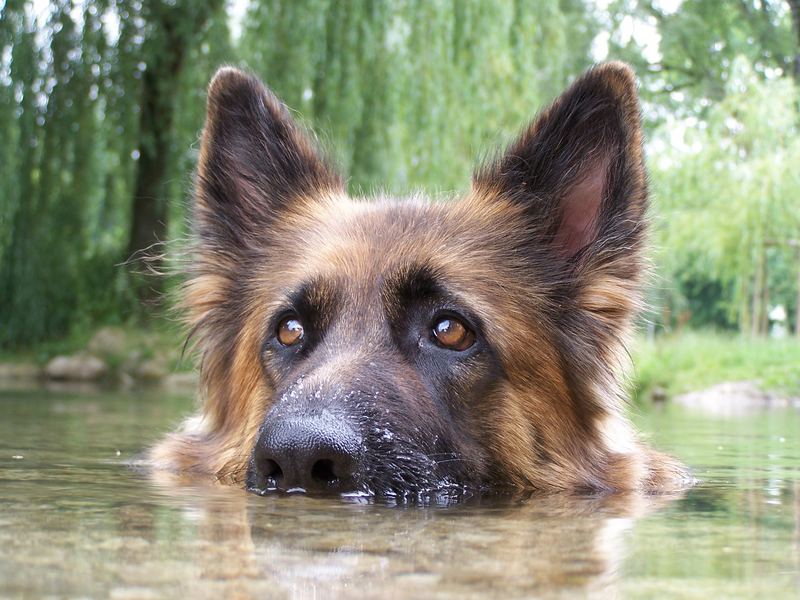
101	103
699	43
697	360
71	106
100	120
729	204
409	92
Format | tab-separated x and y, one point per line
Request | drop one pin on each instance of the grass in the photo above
678	363
692	361
158	338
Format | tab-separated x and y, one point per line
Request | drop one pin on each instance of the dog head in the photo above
404	346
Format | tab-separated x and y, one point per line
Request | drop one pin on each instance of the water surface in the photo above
76	522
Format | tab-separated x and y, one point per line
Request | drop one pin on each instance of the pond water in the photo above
76	522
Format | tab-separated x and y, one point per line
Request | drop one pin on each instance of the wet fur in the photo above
543	255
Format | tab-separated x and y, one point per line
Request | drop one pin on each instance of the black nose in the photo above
306	454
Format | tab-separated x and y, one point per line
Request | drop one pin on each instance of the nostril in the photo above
322	472
271	469
313	454
269	473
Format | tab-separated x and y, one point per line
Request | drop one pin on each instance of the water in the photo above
76	522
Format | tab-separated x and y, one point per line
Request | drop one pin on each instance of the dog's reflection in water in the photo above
304	547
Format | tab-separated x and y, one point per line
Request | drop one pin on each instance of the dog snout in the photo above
307	454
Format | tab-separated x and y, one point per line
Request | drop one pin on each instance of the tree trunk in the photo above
794	7
173	30
764	328
758	294
797	308
149	210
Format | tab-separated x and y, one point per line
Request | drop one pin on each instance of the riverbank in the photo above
665	368
120	356
686	362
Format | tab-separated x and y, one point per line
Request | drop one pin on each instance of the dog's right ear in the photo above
578	170
254	162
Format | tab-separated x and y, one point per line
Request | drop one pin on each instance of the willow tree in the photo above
407	93
689	80
171	30
699	42
13	28
101	103
729	206
23	289
70	112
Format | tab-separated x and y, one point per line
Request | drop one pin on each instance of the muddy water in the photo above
76	522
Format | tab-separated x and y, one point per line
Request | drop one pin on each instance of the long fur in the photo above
544	253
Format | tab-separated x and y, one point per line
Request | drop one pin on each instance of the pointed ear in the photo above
254	162
578	169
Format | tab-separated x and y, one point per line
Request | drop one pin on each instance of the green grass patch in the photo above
692	361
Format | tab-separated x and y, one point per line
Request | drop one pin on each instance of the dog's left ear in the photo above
578	169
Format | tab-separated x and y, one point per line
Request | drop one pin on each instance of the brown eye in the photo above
290	331
452	334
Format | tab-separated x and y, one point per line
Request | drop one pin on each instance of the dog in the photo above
403	347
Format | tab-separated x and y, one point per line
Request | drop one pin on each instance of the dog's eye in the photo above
452	334
290	331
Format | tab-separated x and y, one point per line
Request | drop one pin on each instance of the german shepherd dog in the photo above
403	347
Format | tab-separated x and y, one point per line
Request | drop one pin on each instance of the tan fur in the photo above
535	429
333	246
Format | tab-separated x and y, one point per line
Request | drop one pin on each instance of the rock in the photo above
182	381
108	341
150	370
659	395
125	381
131	363
734	398
78	367
20	371
137	368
